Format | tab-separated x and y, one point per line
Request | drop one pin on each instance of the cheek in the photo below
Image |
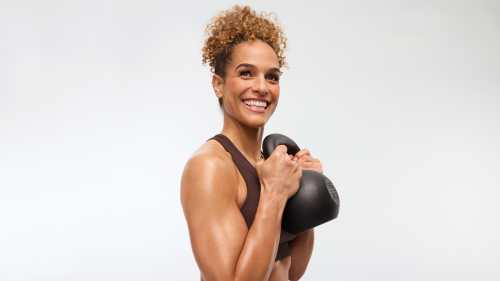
235	88
232	93
276	92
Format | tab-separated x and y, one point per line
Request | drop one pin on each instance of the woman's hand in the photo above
279	174
307	162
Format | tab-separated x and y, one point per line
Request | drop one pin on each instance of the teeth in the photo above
256	103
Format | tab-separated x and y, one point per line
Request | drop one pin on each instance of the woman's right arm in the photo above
223	246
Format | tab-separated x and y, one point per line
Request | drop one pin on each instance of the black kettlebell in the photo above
316	201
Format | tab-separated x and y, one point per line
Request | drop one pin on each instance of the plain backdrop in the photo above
102	103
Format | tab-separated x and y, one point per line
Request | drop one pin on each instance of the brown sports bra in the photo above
252	182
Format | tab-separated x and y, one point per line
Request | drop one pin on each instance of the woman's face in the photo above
250	90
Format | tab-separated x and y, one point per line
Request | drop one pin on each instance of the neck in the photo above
247	140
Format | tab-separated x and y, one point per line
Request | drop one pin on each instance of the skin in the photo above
213	190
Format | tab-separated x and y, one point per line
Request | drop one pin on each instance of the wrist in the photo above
273	200
273	194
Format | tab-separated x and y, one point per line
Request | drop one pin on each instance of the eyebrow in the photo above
274	69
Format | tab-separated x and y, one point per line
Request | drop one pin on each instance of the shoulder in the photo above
210	159
208	172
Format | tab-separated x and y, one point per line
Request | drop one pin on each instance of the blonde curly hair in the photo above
236	25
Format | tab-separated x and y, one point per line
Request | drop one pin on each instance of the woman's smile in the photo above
256	105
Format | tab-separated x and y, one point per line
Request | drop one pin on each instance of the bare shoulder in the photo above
209	171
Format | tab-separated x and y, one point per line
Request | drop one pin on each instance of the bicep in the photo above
217	243
217	229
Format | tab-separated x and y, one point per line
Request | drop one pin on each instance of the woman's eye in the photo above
273	77
245	73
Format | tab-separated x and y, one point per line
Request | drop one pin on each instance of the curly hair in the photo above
236	25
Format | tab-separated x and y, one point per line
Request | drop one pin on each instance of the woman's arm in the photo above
302	246
223	246
301	249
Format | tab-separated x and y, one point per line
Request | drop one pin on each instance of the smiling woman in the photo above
250	84
232	199
237	25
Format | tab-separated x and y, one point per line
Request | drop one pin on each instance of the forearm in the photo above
257	256
301	250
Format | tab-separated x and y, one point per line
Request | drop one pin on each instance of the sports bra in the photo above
249	207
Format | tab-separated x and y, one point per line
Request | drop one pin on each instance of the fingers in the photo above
298	161
281	148
279	152
315	166
305	156
307	162
302	153
298	171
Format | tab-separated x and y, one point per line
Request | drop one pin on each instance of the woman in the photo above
233	200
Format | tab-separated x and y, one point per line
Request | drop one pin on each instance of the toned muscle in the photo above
213	191
281	267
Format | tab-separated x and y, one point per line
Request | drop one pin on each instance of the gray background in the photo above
102	102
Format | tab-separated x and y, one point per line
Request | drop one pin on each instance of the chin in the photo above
253	120
254	123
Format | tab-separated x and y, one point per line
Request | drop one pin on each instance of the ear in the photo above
218	85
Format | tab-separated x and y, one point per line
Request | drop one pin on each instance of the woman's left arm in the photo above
301	249
302	246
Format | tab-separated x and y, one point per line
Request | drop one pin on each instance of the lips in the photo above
256	105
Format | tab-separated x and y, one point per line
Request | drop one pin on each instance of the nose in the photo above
260	85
